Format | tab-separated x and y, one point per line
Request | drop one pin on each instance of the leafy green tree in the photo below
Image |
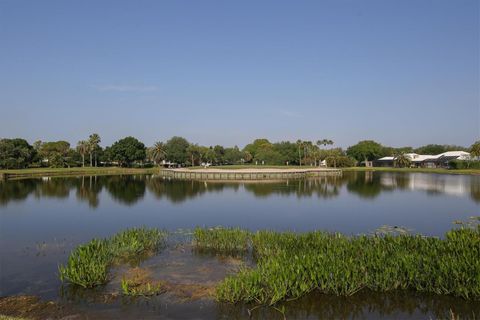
126	151
247	156
219	154
287	151
232	155
55	153
176	150
257	144
475	149
340	161
334	156
268	156
366	150
438	148
15	153
195	154
207	155
390	151
265	153
93	143
83	148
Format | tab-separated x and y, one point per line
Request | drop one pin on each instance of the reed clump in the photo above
290	265
88	264
225	240
133	288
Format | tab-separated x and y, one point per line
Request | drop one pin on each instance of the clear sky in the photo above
402	72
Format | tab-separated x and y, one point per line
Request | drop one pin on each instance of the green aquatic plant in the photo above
88	264
132	243
132	288
226	240
290	265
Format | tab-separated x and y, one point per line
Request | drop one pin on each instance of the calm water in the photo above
41	220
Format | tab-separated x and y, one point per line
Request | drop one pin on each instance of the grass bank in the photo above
42	172
382	169
77	171
252	166
290	265
420	170
88	264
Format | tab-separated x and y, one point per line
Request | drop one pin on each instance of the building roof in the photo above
446	156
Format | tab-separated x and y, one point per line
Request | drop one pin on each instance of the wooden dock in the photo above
247	174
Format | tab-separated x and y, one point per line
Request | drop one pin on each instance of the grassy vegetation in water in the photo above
226	240
290	265
88	264
133	288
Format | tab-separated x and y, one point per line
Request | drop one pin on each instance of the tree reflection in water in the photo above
130	189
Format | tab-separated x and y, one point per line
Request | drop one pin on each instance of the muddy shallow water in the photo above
41	220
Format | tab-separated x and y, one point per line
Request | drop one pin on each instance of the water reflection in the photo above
363	305
128	190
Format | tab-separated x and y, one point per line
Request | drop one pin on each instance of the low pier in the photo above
247	174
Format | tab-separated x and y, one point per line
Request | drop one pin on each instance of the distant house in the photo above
425	160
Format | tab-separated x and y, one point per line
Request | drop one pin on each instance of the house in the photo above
425	160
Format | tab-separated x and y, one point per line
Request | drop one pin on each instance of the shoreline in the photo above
272	171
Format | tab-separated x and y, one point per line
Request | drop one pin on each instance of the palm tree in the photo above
324	142
158	152
402	161
82	148
195	153
93	142
300	145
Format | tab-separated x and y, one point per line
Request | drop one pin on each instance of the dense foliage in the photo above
127	150
366	150
16	153
475	149
177	151
289	265
464	164
438	148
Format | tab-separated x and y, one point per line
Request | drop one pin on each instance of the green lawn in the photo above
33	172
423	170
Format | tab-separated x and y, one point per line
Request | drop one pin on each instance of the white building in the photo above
426	160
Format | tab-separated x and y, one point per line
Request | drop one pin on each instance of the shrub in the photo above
464	164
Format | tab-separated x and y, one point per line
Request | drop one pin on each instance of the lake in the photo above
41	220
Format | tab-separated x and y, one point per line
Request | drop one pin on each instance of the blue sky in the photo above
402	72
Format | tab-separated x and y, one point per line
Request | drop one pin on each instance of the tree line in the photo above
177	151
